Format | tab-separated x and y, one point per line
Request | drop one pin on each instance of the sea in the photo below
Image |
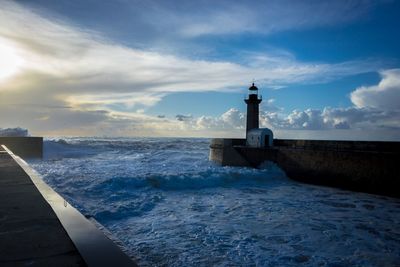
166	204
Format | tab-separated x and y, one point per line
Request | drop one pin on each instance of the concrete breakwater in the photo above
39	228
26	147
356	165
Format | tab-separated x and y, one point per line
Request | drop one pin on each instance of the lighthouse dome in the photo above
253	88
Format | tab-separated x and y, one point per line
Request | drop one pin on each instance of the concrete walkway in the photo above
30	232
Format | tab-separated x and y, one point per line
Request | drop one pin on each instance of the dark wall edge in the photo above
26	147
95	248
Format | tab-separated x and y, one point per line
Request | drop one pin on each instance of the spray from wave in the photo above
13	132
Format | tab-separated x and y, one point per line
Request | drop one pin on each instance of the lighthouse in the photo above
256	137
253	102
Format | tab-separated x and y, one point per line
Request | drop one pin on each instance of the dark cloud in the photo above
342	125
146	22
181	117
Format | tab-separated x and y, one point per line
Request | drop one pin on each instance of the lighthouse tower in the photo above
253	102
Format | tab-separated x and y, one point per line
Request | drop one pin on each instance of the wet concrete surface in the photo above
30	232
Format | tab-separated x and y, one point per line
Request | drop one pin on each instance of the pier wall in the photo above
222	151
42	229
360	166
25	147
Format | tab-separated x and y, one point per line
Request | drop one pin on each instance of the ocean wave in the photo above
168	164
77	147
200	179
13	132
170	206
61	149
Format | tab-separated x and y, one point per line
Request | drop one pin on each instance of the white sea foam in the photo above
13	132
170	206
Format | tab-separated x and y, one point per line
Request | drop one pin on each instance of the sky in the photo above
325	69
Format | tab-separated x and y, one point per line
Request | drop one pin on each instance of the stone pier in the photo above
39	228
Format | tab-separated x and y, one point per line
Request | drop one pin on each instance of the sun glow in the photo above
10	61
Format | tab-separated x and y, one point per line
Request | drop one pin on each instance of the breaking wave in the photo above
13	132
170	164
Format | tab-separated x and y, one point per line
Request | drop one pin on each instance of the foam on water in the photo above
13	132
170	206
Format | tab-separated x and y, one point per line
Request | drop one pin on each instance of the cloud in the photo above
190	19
343	123
334	118
53	121
181	117
375	115
101	84
384	96
79	62
233	118
178	26
375	107
229	124
161	21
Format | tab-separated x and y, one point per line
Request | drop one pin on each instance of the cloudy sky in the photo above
325	69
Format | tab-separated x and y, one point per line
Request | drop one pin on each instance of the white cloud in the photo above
231	123
375	107
384	96
233	118
374	116
343	123
335	118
